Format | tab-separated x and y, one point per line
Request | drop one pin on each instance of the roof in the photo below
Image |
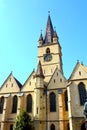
39	72
82	67
55	34
18	83
49	31
41	37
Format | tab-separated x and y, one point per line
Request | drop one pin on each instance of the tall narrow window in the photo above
37	110
68	128
1	104
14	106
82	93
29	103
52	102
11	127
66	100
52	127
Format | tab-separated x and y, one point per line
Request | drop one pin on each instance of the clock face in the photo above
47	57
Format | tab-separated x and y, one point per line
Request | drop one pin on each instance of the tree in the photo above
23	121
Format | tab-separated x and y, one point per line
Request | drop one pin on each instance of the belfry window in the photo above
52	102
14	106
1	104
47	51
52	127
29	103
82	93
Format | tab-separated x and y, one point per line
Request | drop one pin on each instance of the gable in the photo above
29	85
11	85
79	72
57	80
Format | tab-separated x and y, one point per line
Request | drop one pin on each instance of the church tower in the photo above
49	51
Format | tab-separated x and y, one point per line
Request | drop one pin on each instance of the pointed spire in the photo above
41	37
39	72
49	31
55	37
55	34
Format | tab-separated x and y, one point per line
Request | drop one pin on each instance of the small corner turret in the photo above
55	37
40	39
39	72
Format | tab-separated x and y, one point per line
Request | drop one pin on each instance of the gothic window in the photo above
52	102
47	51
82	93
52	127
1	104
14	106
29	103
66	100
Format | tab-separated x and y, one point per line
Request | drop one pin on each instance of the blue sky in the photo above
20	25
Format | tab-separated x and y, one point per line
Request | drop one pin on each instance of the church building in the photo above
52	101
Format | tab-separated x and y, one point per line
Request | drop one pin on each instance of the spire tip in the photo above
48	12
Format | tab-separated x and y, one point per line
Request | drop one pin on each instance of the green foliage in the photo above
23	121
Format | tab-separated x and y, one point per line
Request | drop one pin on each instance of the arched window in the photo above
66	100
52	102
14	106
82	93
52	127
47	51
1	104
29	103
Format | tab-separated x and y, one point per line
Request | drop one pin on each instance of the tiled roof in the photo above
41	37
39	72
49	32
